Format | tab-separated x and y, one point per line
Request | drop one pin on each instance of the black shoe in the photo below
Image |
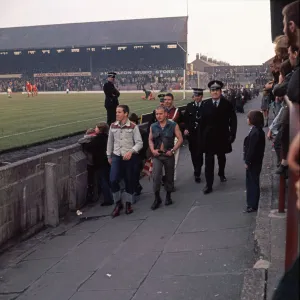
197	179
157	202
281	170
138	190
129	209
223	178
168	200
207	190
249	210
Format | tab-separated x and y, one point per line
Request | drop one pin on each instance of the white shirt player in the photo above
67	90
9	91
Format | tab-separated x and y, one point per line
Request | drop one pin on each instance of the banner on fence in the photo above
73	74
149	72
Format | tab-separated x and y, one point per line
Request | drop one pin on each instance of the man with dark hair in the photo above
193	130
111	97
124	143
219	132
161	142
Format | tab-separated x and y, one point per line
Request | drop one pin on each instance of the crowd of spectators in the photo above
284	132
78	83
16	84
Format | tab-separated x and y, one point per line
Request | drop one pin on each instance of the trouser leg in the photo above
209	169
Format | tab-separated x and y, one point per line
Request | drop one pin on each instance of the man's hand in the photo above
269	135
186	132
169	153
110	161
127	156
246	167
269	85
155	153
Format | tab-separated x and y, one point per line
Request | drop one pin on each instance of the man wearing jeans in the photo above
124	143
161	142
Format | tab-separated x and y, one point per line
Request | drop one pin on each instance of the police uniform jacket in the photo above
111	95
219	126
194	124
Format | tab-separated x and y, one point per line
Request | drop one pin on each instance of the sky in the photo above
235	31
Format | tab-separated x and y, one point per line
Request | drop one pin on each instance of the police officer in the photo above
219	132
192	125
111	97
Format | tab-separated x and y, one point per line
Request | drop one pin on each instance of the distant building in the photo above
202	61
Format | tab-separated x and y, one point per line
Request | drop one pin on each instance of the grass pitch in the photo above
24	120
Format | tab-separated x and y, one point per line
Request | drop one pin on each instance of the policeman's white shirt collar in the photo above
197	103
217	101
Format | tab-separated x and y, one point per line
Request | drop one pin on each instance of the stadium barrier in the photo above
96	92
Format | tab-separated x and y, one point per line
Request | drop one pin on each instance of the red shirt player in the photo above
29	88
34	90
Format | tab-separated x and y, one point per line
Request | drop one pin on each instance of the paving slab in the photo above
25	273
123	271
57	247
207	287
105	295
225	216
145	243
9	297
202	262
115	231
87	257
58	286
91	226
228	238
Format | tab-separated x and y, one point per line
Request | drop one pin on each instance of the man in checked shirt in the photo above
124	143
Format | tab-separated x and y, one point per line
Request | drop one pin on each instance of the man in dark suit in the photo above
111	98
219	132
192	129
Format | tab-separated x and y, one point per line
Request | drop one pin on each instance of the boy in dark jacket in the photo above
254	148
94	146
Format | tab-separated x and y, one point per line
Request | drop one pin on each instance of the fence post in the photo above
51	197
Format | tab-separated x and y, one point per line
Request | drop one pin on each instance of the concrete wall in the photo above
37	191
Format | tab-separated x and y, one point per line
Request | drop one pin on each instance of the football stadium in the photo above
68	64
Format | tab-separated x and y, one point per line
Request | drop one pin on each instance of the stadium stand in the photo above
78	55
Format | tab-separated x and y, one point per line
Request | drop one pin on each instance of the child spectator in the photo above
254	148
94	146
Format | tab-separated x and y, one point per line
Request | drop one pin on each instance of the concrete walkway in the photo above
197	249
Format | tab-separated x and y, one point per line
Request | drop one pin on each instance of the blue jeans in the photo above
102	179
126	170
